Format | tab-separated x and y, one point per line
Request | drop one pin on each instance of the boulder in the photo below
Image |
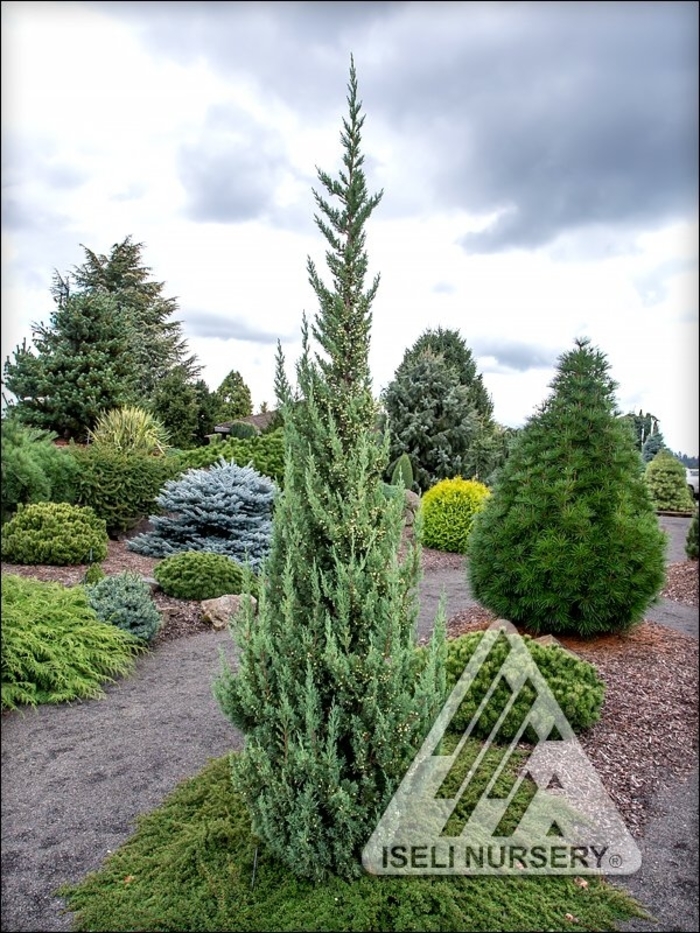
219	612
412	505
152	583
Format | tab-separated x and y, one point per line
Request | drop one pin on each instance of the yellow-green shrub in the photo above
54	648
448	510
54	533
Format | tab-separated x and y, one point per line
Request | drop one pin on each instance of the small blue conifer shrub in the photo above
226	509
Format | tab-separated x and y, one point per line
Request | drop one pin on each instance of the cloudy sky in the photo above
539	163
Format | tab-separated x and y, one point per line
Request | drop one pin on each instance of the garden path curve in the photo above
75	777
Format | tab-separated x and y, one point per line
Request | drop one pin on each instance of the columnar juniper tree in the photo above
327	691
569	540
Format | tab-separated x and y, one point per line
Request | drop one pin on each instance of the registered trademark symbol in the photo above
614	861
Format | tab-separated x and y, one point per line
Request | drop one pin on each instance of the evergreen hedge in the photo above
120	486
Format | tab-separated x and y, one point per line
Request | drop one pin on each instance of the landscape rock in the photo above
412	506
219	612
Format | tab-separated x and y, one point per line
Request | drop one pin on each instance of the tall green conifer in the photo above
327	690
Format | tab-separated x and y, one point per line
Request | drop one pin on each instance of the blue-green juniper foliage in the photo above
328	690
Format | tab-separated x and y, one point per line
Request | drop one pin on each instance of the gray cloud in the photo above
563	115
231	172
20	215
513	355
225	327
653	287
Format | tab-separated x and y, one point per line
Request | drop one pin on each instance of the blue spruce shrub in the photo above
125	600
226	509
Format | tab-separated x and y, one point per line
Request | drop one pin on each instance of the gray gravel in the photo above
75	777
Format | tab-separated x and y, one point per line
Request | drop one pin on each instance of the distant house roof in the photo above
261	422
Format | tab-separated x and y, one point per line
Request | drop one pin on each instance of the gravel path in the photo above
75	777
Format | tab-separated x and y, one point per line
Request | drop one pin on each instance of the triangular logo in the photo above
464	808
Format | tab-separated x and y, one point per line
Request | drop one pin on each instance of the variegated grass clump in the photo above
130	429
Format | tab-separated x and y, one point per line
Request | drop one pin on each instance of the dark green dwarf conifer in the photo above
569	539
327	690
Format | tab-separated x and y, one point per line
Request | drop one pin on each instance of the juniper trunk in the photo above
328	690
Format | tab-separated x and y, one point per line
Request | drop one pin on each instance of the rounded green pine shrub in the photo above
691	540
125	600
201	575
54	533
568	539
34	469
243	430
54	648
448	510
575	684
665	478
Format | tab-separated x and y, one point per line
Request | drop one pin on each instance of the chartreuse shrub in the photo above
130	429
34	469
448	511
575	684
691	540
226	509
667	484
125	600
54	648
265	453
121	486
195	864
200	575
54	533
569	540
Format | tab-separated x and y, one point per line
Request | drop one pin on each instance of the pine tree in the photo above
569	540
233	398
327	691
642	426
186	408
81	365
157	344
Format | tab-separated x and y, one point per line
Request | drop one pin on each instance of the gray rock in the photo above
219	612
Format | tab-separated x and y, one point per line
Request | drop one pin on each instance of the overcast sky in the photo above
539	163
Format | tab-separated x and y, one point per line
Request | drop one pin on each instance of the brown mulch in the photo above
649	724
648	730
